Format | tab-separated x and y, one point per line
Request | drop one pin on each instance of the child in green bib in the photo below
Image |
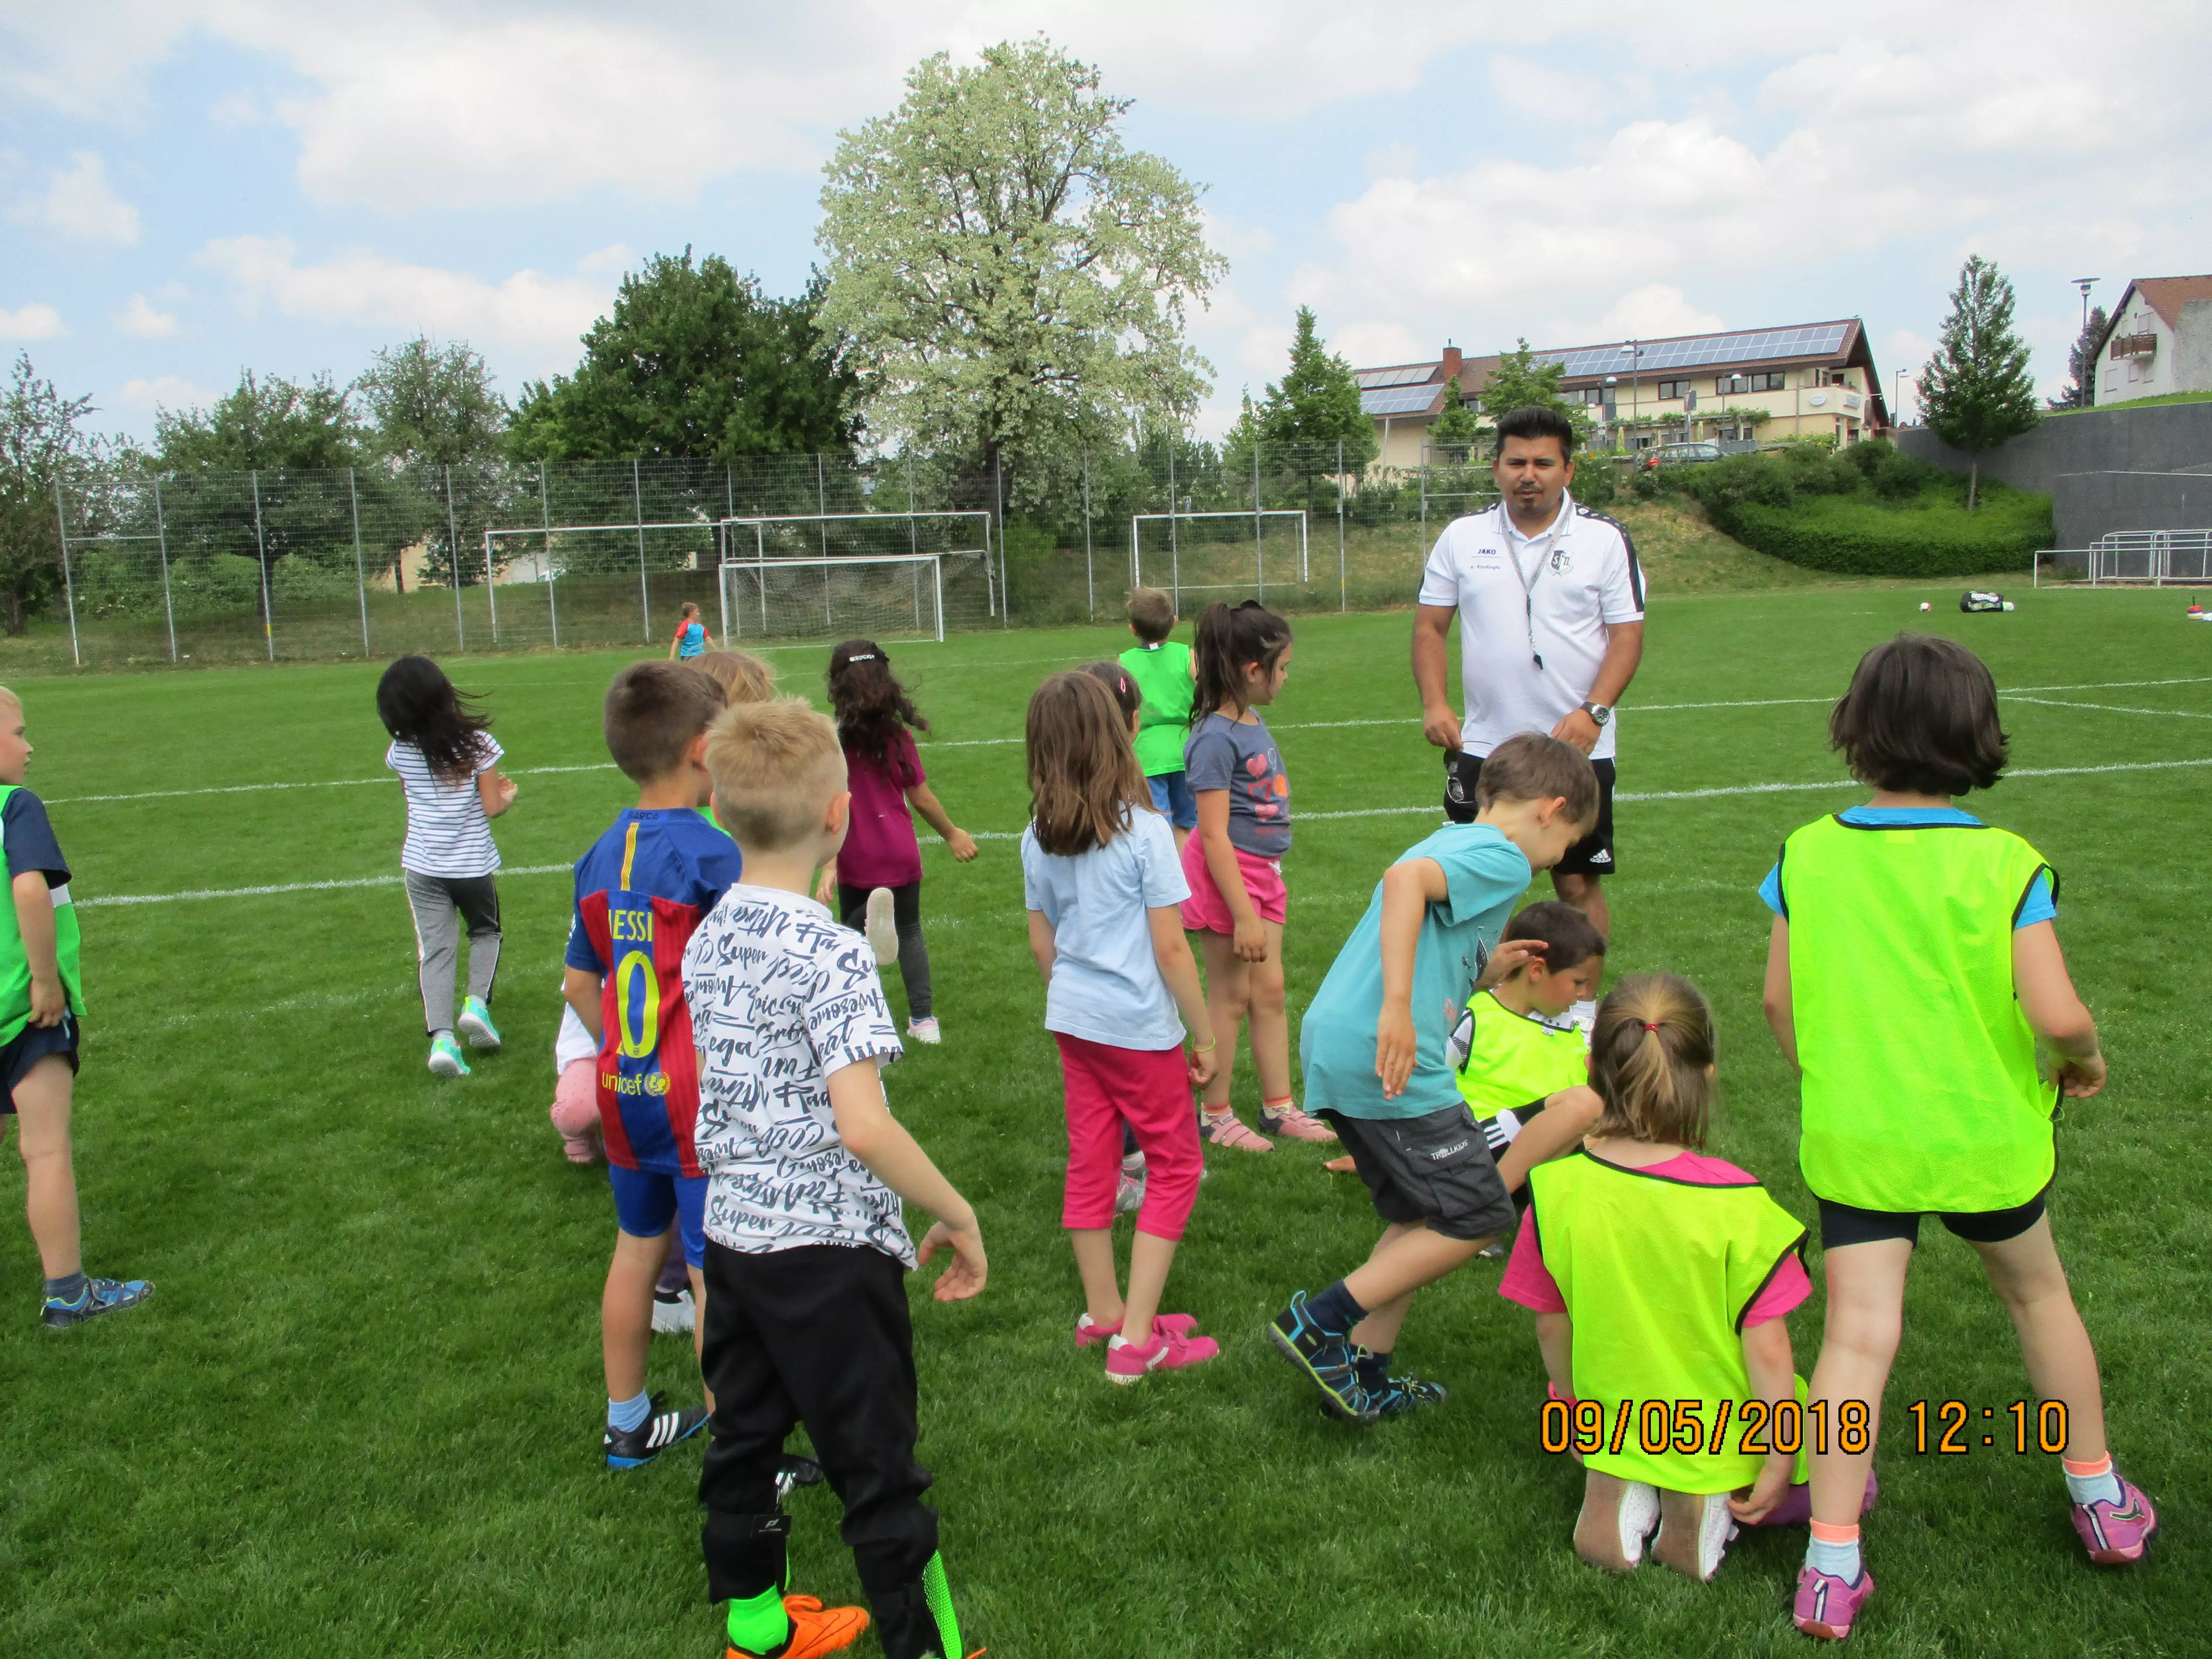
1168	683
1659	1276
1913	962
41	1000
1521	1063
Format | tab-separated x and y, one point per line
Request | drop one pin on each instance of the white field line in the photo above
2115	708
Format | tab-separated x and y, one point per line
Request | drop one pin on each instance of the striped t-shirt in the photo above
447	834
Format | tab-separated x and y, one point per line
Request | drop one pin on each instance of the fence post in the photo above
1258	551
722	535
1090	582
644	595
454	553
360	565
68	582
1175	550
546	516
261	548
162	534
1005	582
1343	589
491	581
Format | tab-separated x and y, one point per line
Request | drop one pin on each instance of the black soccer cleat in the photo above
630	1449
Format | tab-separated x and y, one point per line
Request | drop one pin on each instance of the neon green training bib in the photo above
1920	1089
16	966
1657	1275
1516	1059
1162	673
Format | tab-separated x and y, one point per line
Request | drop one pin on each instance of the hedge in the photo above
1857	537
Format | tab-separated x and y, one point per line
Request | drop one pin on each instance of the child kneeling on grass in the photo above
1523	1065
1660	1276
1375	1046
1104	890
1913	962
805	1317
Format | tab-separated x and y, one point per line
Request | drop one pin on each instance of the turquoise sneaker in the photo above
476	1024
99	1296
446	1057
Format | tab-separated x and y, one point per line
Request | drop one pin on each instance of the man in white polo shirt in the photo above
1550	602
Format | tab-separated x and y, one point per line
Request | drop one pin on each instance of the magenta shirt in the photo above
880	849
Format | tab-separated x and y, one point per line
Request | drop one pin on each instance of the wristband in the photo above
1209	1048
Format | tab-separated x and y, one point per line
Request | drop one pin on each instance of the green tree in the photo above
44	450
272	425
1012	275
1519	381
431	405
1457	423
2080	390
694	361
1317	402
1975	392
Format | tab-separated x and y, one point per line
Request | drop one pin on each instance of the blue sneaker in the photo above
446	1056
1326	1358
476	1024
99	1296
1394	1396
630	1449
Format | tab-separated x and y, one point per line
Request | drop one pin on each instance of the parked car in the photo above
1681	454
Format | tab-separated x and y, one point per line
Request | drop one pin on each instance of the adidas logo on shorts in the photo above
1601	857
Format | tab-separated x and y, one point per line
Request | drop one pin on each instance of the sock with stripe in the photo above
1374	1370
623	1415
1835	1551
69	1288
1336	1310
2092	1483
758	1624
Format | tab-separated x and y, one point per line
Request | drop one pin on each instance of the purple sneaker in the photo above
1826	1605
2117	1533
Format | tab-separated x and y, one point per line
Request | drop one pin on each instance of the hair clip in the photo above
861	656
1651	1024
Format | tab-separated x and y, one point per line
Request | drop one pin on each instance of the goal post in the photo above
896	597
1215	552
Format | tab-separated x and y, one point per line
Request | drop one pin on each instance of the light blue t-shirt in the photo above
1106	984
2041	904
1485	874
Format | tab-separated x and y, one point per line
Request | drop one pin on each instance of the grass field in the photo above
361	1418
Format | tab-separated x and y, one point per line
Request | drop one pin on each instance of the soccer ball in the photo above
1924	606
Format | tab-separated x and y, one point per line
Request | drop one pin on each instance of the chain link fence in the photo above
210	568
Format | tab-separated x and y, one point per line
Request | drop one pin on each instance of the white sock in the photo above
2103	1488
1836	1560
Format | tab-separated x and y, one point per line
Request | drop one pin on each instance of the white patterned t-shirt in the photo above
780	996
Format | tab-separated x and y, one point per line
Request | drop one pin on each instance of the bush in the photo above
1859	537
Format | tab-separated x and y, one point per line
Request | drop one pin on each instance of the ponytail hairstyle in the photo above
1228	639
1650	1050
871	706
1115	678
418	705
1084	781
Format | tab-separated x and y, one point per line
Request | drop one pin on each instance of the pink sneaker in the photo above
2117	1533
1088	1330
1227	1129
1169	1352
1290	1121
1826	1605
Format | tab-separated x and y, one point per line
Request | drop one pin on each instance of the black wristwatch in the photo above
1599	714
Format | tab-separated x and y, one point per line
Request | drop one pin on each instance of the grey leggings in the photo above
441	905
914	955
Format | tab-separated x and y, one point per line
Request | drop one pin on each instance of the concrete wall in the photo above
2104	469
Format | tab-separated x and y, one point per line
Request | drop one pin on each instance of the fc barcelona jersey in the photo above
641	891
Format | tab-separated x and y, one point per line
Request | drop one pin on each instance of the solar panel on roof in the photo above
1815	340
1373	378
1399	400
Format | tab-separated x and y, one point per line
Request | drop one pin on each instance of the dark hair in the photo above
1117	680
655	710
1228	638
1084	777
1649	1050
1569	937
1152	613
1535	421
1921	718
418	705
1530	766
870	705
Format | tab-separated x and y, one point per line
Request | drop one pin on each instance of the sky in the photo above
193	188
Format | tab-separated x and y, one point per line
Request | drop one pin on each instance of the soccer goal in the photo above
801	575
1218	552
594	583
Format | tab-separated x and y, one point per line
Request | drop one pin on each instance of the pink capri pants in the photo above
1150	1089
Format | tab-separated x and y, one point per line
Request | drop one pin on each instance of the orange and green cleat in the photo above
815	1630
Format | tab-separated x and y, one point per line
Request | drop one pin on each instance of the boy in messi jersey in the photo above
641	892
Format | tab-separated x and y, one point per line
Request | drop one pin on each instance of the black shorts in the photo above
1842	1223
33	1044
1590	856
1435	1168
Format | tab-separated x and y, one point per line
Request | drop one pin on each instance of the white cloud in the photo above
613	259
169	392
1656	309
529	310
81	204
141	322
31	322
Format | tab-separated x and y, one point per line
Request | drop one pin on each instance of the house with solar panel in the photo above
1743	387
2159	342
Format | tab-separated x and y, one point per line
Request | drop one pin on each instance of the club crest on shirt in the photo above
1562	561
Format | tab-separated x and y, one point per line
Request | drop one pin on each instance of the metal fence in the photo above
206	567
2135	557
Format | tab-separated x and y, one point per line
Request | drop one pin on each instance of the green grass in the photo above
2134	403
361	1418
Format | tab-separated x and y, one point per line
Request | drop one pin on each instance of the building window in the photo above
1727	385
1832	376
1672	389
1592	394
1774	380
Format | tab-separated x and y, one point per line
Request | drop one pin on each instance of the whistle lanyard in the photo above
1527	582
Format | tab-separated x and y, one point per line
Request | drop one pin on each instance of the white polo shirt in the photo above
1567	588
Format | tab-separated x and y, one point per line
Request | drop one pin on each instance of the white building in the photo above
2159	342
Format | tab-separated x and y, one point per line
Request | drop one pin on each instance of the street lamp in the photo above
1612	408
1635	353
1897	403
2084	283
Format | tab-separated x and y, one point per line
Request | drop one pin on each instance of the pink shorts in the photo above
1206	912
1149	1089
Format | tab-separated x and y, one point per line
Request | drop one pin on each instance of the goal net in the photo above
1218	555
884	575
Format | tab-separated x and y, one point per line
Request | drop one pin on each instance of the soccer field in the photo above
361	1415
